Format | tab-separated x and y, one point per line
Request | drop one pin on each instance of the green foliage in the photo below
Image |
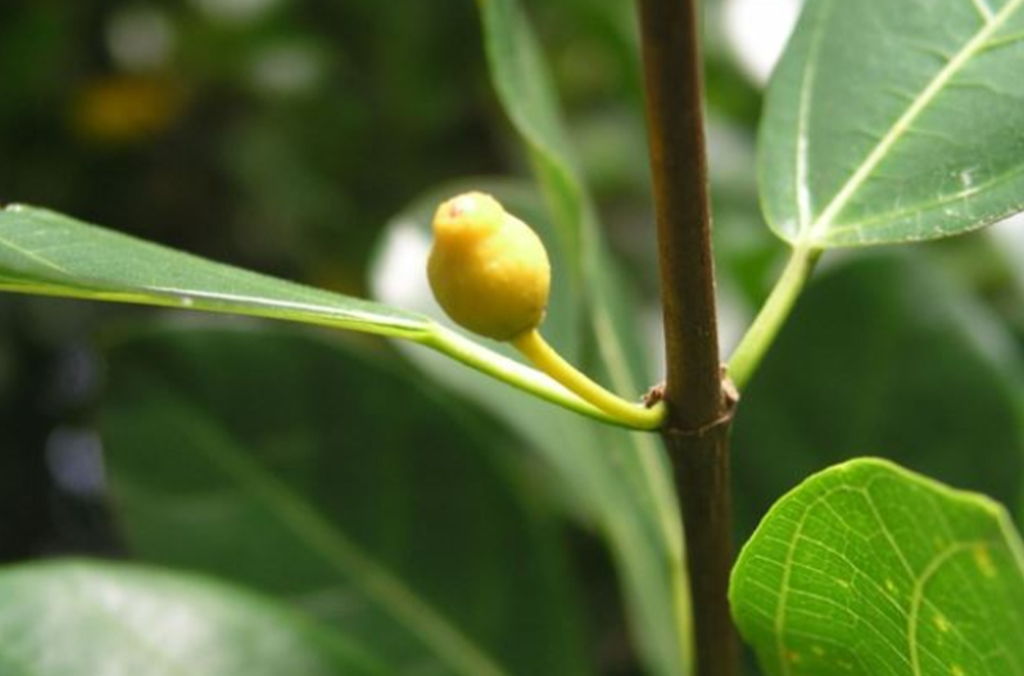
613	479
411	509
524	88
45	253
645	537
282	477
48	253
626	484
892	122
78	618
870	364
867	568
885	124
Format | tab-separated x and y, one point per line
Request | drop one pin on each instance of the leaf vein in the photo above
822	224
42	260
803	192
983	10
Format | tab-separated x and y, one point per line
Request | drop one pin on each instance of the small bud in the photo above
488	270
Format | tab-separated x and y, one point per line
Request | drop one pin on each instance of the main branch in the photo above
700	409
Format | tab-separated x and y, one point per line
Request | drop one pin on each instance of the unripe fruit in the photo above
489	270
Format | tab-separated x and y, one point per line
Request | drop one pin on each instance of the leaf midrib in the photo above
258	294
818	230
803	189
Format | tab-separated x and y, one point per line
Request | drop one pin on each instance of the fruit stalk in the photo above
545	358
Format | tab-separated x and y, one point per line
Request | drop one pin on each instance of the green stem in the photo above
547	359
532	381
759	337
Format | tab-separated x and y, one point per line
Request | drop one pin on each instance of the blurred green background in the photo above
282	135
279	135
273	135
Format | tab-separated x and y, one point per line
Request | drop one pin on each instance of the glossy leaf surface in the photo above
82	618
869	569
892	122
354	489
48	253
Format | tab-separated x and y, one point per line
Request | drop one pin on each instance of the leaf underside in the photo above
867	569
44	252
892	122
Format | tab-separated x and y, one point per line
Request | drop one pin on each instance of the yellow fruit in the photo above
489	270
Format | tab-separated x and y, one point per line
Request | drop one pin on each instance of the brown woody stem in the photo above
700	409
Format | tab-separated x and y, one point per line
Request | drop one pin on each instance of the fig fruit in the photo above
489	271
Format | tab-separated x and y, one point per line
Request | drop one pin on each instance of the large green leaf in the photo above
356	490
611	478
868	569
79	618
895	121
884	354
48	253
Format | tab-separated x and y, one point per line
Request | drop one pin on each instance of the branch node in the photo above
731	396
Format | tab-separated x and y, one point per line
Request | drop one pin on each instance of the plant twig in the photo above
762	332
700	410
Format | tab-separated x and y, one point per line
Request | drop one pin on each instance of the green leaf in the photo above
526	93
613	479
318	474
893	122
884	355
80	618
869	569
43	252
